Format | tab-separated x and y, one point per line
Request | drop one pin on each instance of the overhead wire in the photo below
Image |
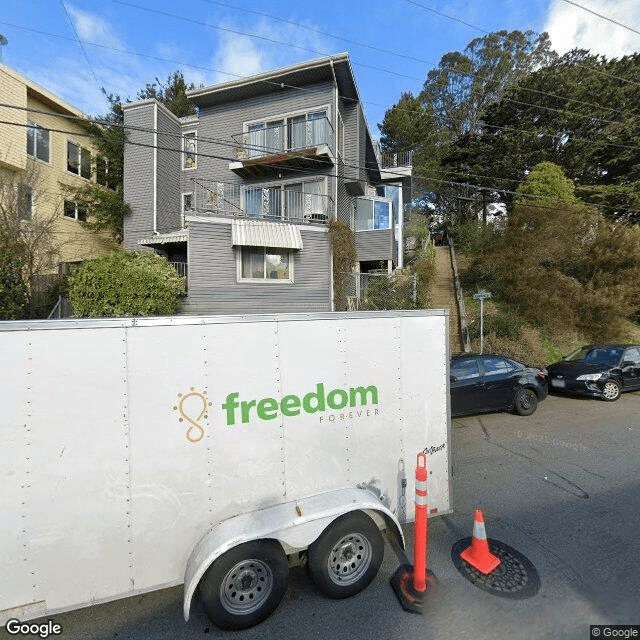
293	169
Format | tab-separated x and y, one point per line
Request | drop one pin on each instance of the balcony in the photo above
302	142
297	203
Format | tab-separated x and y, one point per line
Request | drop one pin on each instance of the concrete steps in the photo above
443	296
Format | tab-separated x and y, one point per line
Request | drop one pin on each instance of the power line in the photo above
294	169
198	67
595	13
444	15
100	87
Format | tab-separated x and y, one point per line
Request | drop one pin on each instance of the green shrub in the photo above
126	284
425	270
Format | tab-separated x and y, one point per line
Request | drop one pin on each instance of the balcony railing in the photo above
273	139
180	267
396	160
298	202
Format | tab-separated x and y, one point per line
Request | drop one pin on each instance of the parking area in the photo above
562	486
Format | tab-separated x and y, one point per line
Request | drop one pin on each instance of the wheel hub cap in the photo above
349	559
246	586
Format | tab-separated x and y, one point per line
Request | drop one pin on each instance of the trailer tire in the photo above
245	585
346	556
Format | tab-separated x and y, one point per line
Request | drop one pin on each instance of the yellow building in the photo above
45	151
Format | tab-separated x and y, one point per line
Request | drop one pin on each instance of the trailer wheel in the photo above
347	555
245	585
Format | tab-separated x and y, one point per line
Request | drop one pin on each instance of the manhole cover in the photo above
516	577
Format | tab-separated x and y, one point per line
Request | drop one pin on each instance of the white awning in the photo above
165	238
258	233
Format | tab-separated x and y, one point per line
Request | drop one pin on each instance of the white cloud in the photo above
239	55
571	27
93	28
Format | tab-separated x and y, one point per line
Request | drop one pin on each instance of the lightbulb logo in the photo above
190	404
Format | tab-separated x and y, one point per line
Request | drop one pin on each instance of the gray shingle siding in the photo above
214	286
375	245
138	176
168	171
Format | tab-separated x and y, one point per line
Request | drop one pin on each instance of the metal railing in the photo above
396	160
298	202
279	137
180	267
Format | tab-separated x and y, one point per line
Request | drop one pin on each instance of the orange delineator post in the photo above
420	531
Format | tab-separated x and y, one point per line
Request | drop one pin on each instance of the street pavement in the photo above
561	486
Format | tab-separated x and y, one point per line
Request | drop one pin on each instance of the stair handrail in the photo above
464	326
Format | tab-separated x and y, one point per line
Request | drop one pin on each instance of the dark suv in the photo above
598	370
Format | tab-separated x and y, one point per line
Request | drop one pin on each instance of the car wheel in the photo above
347	555
525	402
245	584
611	391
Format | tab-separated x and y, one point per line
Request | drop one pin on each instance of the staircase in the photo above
443	296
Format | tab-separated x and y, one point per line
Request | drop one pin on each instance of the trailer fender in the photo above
294	524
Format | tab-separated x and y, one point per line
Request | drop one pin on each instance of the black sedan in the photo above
598	370
481	383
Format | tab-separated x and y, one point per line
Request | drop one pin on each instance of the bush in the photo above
425	270
126	284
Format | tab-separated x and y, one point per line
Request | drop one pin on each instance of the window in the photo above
25	202
264	263
187	202
189	150
373	214
465	369
71	210
38	142
295	132
78	160
291	201
493	366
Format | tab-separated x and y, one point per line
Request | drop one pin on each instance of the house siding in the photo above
139	176
168	169
375	245
214	287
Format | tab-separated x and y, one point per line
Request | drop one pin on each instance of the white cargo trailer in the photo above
213	452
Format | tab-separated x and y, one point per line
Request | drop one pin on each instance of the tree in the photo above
29	244
454	96
578	112
125	284
172	93
563	265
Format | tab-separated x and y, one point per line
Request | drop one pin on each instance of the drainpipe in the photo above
155	168
335	181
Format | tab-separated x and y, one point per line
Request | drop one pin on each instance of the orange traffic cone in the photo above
478	554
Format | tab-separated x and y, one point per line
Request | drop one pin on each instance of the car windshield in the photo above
608	356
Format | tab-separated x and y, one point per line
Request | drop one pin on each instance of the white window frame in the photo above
240	279
283	194
79	160
285	117
374	199
193	201
75	209
35	127
187	135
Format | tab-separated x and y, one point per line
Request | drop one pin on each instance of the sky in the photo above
74	48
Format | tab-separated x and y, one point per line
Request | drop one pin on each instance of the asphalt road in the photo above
561	486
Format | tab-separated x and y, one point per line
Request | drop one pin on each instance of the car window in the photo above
493	365
633	355
465	369
609	357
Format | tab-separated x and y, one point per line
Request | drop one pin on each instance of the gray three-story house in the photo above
240	195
